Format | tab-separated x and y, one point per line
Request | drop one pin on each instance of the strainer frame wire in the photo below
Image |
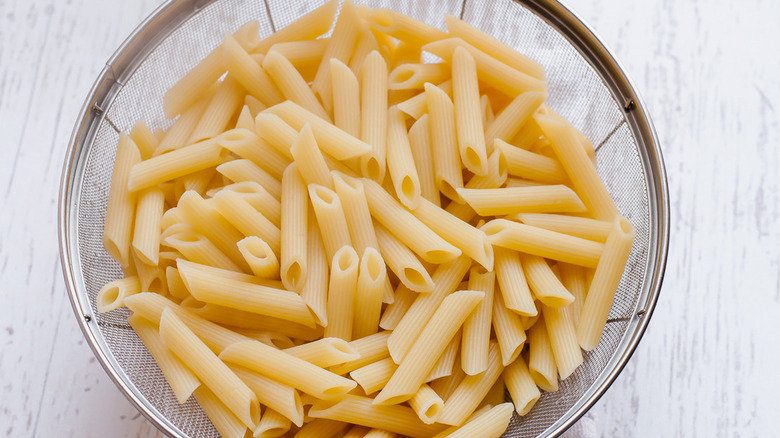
166	18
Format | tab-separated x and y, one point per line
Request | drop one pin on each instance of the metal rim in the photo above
167	17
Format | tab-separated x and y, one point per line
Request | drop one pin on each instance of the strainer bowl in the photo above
586	85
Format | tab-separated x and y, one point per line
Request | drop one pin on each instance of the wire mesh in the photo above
576	91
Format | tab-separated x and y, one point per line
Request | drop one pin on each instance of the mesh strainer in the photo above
586	85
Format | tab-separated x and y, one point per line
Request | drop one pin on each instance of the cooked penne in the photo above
529	165
374	376
174	164
563	340
427	404
472	241
341	46
182	381
573	279
360	410
248	221
322	428
493	47
416	106
601	292
394	311
353	200
414	76
512	118
308	157
252	77
405	28
112	295
470	392
368	294
346	98
120	211
540	199
220	110
373	115
371	349
341	293
521	386
197	248
212	372
226	423
583	227
543	243
237	294
543	283
245	119
490	70
254	105
271	425
176	136
292	84
445	280
260	257
144	138
406	227
422	154
448	359
541	363
509	331
176	287
330	218
308	27
294	242
336	142
277	396
476	329
304	53
468	122
276	132
240	171
314	290
578	166
489	424
287	369
246	144
325	352
195	84
431	343
260	199
152	277
403	262
446	161
400	160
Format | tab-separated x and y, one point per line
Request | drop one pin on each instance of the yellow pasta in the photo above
308	27
276	132
431	343
447	360
427	404
394	311
336	142
344	273
509	331
346	98
490	70
294	219
539	199
416	106
368	294
583	227
468	122
259	256
144	138
573	279
529	165
341	46
212	372
325	352
541	363
353	200
237	294
543	243
490	424
219	111
271	425
371	349
248	221
292	84
330	218
146	235
578	166
112	295
403	262
308	158
521	386
400	160
287	369
246	144
197	248
120	211
404	28
446	161
406	227
249	74
563	340
374	376
221	417
174	164
373	115
422	154
414	76
277	396
476	329
545	285
605	282
303	54
245	170
314	290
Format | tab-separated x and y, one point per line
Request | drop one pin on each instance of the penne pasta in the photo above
294	242
272	394
521	386
226	423
330	218
573	279
541	363
373	115
539	199
394	311
212	372
308	27
144	138
226	101
543	243
325	352
606	279
260	199
431	343
427	404
374	376
271	425
276	132
400	160
197	248
371	349
405	28
120	211
563	340
476	329
422	154
403	262
406	227
341	46
309	160
529	165
447	360
509	331
545	285
292	84
314	290
446	161
252	77
415	75
240	171
341	293
468	122
174	164
246	144
346	98
353	200
112	295
248	221
583	227
371	282
287	369
416	106
260	257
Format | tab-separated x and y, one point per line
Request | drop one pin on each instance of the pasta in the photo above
285	241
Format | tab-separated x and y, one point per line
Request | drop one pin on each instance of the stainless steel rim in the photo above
167	18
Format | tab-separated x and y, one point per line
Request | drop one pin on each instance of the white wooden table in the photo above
710	73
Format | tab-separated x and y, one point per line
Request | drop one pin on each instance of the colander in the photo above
586	85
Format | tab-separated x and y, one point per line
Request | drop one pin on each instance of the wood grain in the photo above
710	75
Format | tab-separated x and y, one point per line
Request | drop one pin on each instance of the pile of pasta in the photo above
335	238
